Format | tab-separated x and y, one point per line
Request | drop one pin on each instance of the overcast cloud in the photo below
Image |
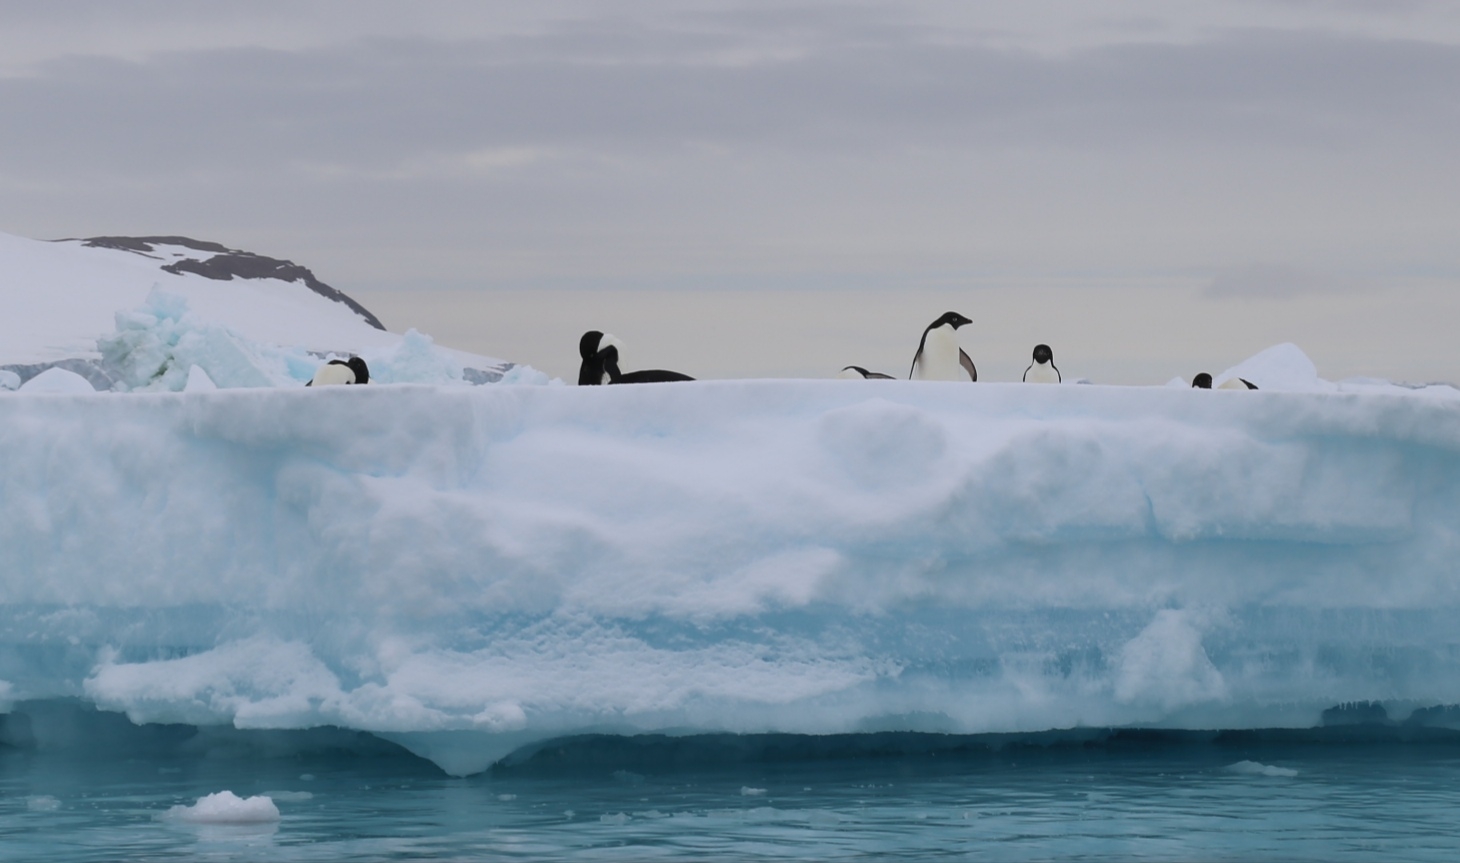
684	145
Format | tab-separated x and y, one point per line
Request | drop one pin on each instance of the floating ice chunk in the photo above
225	807
1254	768
58	380
42	803
616	818
747	791
290	796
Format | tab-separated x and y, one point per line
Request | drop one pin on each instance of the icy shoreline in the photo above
466	570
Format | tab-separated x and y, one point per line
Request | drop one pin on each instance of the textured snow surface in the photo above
467	570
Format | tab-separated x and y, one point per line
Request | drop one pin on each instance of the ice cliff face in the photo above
468	569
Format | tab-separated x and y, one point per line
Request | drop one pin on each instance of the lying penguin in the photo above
857	373
1203	381
1042	370
351	371
939	358
608	358
599	353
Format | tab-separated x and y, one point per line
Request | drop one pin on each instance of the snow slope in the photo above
57	299
468	570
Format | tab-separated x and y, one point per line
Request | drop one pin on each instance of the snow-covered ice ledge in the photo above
468	570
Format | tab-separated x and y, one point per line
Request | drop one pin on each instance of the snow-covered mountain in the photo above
60	299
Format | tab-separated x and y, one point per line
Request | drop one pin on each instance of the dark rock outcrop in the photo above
225	264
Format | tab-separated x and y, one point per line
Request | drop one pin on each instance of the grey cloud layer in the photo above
535	139
389	100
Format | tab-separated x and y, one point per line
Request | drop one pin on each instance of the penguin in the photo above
1203	381
608	358
857	373
590	370
939	358
1042	370
351	371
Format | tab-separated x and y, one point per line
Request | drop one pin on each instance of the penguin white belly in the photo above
1233	384
939	359
333	373
1042	373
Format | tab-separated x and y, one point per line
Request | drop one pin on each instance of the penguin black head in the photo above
362	371
588	345
1042	354
951	319
1202	381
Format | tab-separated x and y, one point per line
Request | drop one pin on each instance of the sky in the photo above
782	188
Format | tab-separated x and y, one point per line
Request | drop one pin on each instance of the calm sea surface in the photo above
1321	801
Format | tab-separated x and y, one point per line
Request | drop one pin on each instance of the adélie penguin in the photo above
590	370
939	358
1203	381
857	373
351	371
1042	370
608	357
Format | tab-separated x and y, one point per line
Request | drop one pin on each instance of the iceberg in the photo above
225	807
469	571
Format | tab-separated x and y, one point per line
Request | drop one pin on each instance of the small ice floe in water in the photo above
1254	768
505	798
225	807
747	791
290	796
619	818
42	803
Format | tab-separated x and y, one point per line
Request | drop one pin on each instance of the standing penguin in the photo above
351	371
590	370
1042	370
939	358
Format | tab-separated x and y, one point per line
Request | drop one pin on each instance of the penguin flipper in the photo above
917	358
967	364
864	374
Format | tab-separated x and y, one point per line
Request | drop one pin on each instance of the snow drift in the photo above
467	570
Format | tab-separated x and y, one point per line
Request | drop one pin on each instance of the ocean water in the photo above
1249	796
